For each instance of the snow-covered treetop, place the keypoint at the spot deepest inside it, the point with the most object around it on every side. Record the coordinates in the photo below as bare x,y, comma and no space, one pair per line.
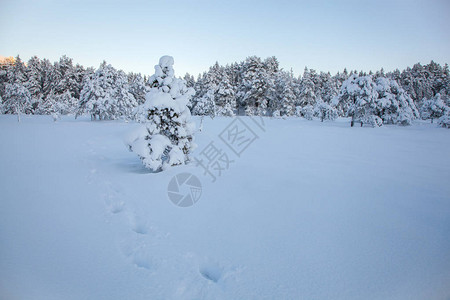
166,91
360,87
163,69
166,61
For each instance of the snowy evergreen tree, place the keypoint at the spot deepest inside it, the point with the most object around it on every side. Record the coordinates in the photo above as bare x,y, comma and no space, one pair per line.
357,99
58,104
47,78
394,105
64,77
190,80
205,106
284,105
226,99
166,139
444,120
307,93
324,111
327,88
254,86
3,80
55,82
17,72
425,81
306,112
105,95
373,103
433,108
35,81
207,92
137,87
446,80
16,100
272,67
224,94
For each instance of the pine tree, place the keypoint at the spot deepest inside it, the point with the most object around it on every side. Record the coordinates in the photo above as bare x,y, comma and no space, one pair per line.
357,99
226,100
394,105
207,87
306,112
327,88
272,67
254,86
105,95
35,81
205,106
285,103
137,87
324,111
17,72
307,93
57,105
16,100
444,120
190,80
433,108
47,78
224,95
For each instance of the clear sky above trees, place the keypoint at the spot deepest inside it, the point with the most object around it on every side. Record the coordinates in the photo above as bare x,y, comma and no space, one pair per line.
324,35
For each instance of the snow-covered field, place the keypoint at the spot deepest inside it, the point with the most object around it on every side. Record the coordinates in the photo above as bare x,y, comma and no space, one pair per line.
309,210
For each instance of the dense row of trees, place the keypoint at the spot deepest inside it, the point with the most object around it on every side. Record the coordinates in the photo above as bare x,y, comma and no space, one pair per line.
260,87
251,87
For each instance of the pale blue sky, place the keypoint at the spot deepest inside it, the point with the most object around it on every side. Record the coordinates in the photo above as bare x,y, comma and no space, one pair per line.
324,35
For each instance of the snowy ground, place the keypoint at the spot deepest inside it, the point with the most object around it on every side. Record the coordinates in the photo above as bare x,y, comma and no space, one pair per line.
309,210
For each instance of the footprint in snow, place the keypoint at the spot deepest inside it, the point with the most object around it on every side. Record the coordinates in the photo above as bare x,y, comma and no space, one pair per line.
138,224
211,270
138,253
142,259
113,203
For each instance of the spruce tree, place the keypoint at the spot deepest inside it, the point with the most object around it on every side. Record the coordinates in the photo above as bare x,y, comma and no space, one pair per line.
166,138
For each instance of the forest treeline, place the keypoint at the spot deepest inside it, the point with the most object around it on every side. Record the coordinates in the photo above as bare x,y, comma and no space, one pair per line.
254,86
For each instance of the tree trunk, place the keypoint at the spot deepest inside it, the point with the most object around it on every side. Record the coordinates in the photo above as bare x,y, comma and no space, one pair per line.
18,113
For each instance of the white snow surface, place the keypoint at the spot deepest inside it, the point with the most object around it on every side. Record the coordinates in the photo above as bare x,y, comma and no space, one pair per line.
310,210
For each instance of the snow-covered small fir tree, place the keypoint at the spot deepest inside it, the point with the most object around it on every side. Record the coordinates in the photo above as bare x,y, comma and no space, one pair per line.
166,138
324,111
307,112
432,108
